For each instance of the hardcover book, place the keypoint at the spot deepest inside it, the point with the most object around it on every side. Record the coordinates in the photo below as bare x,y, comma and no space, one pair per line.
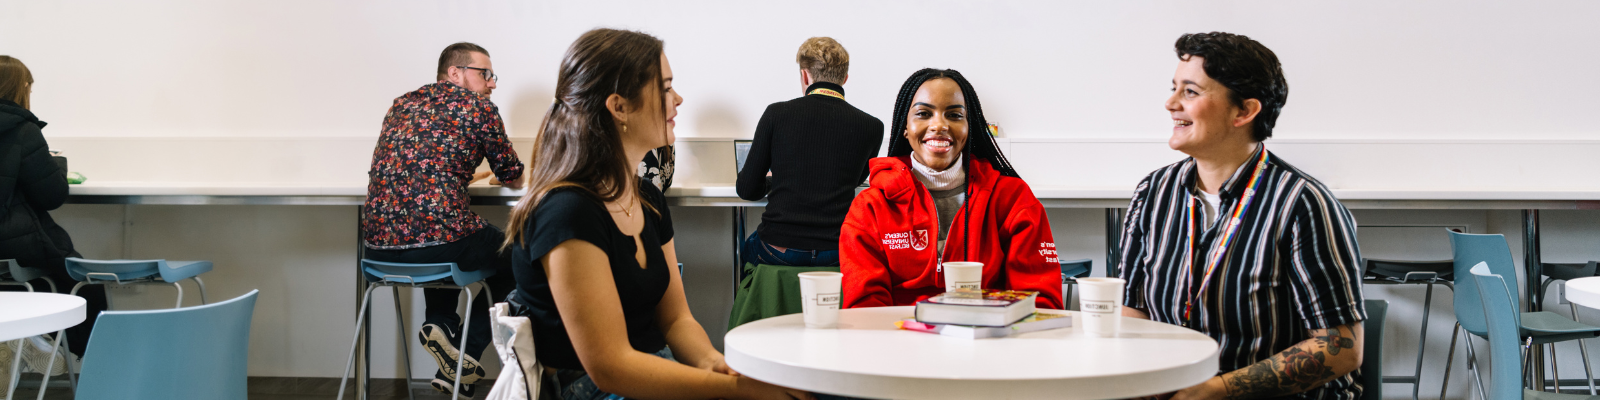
996,308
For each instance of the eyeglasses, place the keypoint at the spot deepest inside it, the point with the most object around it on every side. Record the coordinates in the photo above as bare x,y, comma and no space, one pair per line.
485,72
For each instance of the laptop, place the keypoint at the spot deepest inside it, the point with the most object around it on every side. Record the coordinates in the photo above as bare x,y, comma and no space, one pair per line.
741,151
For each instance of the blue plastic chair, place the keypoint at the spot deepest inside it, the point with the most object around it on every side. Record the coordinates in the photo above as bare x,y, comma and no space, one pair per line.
14,274
198,352
1543,328
1507,344
429,276
1372,350
1070,272
137,272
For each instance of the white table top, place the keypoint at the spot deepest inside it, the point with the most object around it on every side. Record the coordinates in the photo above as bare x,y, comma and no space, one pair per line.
868,357
1584,291
26,314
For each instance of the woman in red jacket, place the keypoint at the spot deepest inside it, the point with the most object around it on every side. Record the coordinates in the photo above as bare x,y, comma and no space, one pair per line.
943,195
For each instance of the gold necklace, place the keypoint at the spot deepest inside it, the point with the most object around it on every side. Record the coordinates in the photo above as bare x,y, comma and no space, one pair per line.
626,210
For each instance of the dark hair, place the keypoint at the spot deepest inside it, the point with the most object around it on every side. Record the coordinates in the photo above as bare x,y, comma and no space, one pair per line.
15,79
1248,69
456,55
579,144
980,142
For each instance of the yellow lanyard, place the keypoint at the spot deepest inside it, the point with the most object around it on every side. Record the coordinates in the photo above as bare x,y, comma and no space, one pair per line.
827,92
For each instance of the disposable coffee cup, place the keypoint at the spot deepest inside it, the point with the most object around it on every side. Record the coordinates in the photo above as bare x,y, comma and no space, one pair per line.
1101,302
959,275
819,298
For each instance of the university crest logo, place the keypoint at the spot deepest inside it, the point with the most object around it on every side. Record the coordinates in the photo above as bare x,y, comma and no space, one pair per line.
919,239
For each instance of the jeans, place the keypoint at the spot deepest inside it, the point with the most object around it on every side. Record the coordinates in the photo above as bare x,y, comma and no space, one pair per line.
479,250
757,251
576,385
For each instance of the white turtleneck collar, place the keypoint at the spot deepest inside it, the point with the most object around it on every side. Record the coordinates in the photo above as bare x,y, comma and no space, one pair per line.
947,179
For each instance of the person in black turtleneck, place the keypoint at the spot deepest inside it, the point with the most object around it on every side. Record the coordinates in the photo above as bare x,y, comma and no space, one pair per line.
816,148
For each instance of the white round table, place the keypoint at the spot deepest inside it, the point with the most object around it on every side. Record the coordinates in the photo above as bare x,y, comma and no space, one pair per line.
1584,292
24,314
868,357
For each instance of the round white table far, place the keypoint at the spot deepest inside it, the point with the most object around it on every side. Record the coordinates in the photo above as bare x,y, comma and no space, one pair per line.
868,357
1584,292
24,314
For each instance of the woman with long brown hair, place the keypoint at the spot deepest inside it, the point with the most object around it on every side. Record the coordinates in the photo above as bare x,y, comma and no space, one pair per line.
32,184
591,242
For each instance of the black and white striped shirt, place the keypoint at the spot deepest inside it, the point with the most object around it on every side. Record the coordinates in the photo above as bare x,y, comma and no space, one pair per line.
1293,266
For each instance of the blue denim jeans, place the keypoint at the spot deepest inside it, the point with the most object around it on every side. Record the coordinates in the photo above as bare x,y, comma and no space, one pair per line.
757,251
576,385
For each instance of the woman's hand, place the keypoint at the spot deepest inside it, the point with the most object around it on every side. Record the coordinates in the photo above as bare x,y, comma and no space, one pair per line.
716,363
754,389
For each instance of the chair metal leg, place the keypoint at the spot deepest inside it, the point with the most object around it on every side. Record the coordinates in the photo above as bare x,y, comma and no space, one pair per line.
461,350
405,345
16,369
1449,359
72,379
361,315
202,285
1583,351
1472,364
1422,341
1555,370
1066,300
175,285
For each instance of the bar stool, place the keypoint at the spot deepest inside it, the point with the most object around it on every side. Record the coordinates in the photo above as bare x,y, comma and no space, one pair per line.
1070,272
1399,272
428,276
14,274
138,272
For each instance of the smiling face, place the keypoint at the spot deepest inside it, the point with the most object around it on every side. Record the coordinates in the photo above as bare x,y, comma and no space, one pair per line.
936,125
1204,117
651,117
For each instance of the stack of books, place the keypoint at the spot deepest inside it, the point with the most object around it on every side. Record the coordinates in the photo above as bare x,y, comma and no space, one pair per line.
982,314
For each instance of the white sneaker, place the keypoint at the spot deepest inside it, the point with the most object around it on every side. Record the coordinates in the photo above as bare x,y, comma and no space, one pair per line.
36,353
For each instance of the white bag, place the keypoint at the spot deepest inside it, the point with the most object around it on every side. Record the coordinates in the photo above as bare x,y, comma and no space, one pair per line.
513,341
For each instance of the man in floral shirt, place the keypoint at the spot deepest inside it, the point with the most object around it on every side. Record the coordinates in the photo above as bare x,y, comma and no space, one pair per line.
417,204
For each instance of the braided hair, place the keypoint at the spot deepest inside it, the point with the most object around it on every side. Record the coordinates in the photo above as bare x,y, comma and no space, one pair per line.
980,142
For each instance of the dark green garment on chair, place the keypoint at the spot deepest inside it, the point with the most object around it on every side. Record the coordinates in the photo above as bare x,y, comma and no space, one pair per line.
768,291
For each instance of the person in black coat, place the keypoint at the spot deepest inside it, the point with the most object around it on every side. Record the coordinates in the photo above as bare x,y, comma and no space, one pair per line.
32,184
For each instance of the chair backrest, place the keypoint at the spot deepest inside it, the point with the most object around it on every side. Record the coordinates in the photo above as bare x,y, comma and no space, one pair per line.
1505,354
1075,268
1470,250
17,272
1372,350
79,268
183,353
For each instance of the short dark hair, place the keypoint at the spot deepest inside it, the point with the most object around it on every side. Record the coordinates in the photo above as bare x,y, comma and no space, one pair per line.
1246,67
456,55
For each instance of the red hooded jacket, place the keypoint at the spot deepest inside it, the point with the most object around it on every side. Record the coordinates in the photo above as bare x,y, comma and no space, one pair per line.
889,241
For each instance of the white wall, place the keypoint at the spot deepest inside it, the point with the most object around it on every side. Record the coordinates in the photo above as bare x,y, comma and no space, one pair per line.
1357,69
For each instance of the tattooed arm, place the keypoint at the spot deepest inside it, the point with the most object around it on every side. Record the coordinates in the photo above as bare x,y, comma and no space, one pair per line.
1329,354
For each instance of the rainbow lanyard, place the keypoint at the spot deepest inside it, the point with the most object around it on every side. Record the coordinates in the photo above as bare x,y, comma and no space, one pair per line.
1230,231
827,92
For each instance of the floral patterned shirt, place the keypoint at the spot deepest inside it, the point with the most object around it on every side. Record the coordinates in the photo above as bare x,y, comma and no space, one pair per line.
433,139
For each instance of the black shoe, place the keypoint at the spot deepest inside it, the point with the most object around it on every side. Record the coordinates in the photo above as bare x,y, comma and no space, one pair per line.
444,385
441,344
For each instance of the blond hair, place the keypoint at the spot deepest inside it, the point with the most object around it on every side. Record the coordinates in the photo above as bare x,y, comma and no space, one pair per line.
14,81
825,58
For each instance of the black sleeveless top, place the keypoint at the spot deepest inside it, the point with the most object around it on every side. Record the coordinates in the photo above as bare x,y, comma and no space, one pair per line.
574,214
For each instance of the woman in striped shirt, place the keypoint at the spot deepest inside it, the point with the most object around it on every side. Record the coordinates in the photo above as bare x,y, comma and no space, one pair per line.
1236,243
